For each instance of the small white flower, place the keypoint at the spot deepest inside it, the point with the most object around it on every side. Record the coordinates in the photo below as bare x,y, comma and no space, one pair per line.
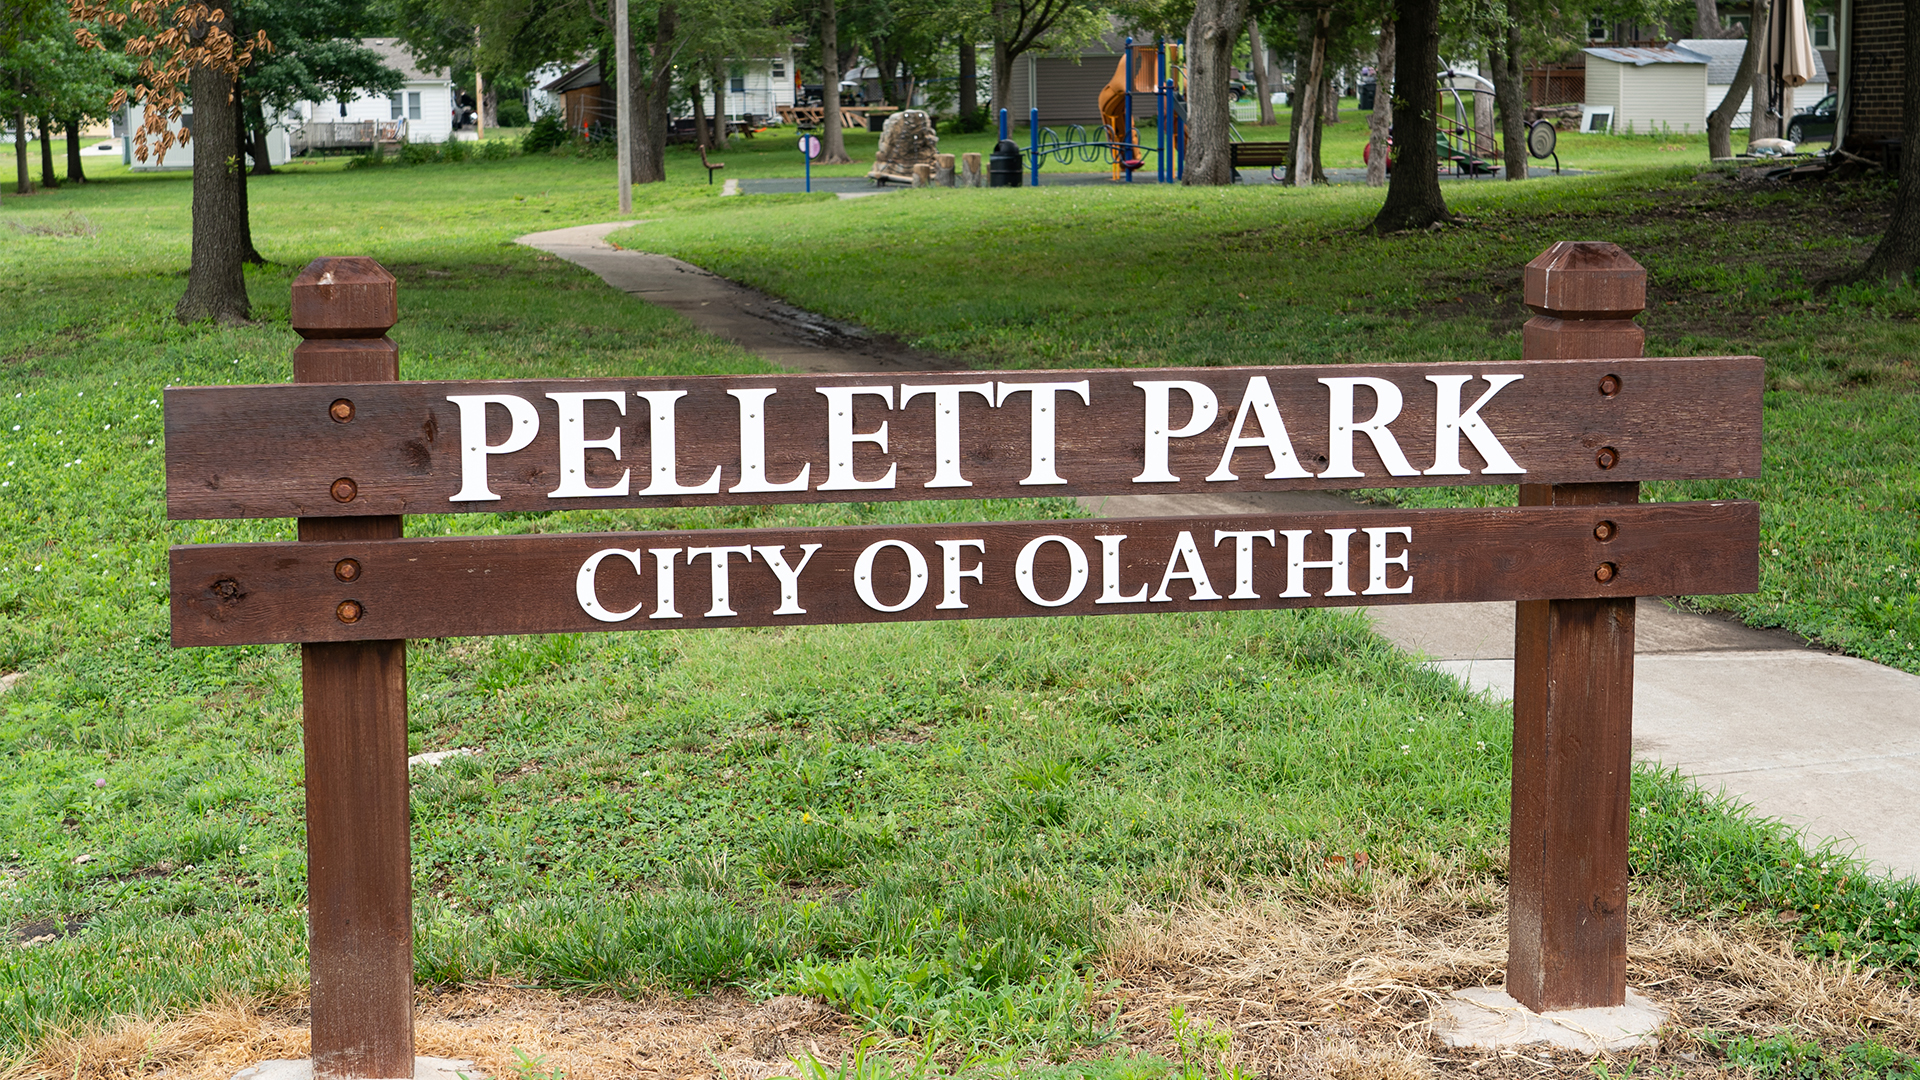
109,427
37,567
16,427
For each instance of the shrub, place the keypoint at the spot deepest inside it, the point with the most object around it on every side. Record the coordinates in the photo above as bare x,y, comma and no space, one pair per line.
546,134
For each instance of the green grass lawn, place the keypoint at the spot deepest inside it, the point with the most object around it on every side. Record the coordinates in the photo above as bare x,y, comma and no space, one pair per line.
931,826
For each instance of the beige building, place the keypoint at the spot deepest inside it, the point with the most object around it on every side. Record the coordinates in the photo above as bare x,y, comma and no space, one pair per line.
1641,90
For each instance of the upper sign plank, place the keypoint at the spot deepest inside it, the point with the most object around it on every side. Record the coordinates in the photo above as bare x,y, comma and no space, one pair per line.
531,445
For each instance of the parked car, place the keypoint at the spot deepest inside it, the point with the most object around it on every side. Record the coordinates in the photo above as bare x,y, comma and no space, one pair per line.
1815,122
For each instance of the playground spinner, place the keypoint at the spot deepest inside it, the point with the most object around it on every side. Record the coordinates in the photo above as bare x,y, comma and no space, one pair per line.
348,450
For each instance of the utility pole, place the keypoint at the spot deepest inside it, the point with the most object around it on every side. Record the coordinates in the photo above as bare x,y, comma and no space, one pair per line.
623,104
479,104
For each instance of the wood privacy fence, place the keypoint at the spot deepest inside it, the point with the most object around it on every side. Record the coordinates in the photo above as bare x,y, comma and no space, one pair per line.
348,449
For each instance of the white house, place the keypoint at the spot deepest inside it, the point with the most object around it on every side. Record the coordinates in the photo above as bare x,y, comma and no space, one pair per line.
757,86
1723,59
1644,90
181,157
421,110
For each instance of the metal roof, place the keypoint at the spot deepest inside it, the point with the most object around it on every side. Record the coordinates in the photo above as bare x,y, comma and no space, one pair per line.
1723,58
1643,57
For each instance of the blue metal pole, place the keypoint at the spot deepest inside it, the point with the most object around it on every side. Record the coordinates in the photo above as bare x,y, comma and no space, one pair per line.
1161,170
1126,86
809,160
1033,144
1003,125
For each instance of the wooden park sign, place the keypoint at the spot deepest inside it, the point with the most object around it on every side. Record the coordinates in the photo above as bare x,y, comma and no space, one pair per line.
347,449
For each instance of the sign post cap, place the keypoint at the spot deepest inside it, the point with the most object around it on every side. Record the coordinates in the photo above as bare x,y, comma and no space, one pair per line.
346,297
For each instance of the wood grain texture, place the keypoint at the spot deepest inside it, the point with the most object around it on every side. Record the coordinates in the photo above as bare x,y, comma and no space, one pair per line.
354,716
231,594
276,451
1573,687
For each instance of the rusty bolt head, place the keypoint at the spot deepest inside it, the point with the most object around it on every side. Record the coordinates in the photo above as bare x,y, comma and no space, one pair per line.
342,410
347,569
1605,572
345,489
349,611
1607,458
1609,385
1601,532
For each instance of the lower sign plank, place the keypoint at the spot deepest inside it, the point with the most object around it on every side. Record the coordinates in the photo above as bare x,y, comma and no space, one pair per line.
238,594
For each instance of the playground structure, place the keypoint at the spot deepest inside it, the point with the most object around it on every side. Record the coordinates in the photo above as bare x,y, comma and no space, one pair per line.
1151,71
1467,145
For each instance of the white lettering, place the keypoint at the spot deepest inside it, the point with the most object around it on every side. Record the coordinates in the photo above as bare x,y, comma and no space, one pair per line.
474,448
590,599
1450,423
666,469
1076,579
1159,428
1297,566
753,446
1341,428
663,583
841,437
1045,412
946,427
1273,434
776,558
1110,573
916,576
722,605
1187,555
574,444
1377,561
1243,560
951,574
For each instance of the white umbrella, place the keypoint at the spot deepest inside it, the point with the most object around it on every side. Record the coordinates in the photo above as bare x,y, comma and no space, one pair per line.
1788,60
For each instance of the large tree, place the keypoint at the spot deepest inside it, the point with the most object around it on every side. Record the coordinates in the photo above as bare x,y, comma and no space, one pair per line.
1211,35
1413,193
1022,26
1897,255
1720,120
188,51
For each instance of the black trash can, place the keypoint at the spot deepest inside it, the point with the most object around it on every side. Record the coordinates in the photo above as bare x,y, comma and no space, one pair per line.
1366,96
1004,165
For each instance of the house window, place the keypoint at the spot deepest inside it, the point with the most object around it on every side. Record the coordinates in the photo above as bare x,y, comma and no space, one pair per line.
737,79
343,108
413,105
393,103
779,69
1742,23
1597,28
1822,27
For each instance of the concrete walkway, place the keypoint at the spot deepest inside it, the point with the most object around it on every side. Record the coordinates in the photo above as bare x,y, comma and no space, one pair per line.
1826,743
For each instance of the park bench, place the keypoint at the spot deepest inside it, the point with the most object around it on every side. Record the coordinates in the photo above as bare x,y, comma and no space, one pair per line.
1256,155
711,166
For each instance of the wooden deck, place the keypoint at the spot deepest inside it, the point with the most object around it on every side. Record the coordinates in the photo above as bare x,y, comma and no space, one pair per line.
815,115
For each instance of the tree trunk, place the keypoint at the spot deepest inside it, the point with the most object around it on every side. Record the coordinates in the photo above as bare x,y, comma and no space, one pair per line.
256,129
1210,37
216,283
719,103
1262,79
48,179
833,144
1002,79
1898,253
489,104
75,174
702,133
969,83
1720,120
650,94
1510,93
1763,124
24,172
248,251
1706,19
1413,195
1307,108
1329,97
1380,121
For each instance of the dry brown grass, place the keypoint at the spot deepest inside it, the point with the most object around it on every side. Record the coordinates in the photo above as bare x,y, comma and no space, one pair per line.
1342,989
1313,988
715,1035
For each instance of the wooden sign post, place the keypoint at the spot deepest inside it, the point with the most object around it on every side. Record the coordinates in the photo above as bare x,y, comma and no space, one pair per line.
347,449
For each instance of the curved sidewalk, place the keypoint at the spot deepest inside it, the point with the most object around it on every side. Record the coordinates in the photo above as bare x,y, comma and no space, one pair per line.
1826,743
